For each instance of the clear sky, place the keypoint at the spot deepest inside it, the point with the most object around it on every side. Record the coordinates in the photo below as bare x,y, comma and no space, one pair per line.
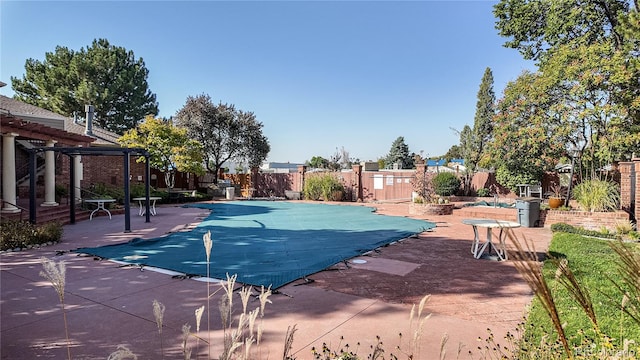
319,75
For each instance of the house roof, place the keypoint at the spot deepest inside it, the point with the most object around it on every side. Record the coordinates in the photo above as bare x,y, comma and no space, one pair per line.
31,113
33,130
103,137
26,111
440,162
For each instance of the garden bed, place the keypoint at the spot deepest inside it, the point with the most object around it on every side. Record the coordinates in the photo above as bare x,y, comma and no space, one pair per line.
431,209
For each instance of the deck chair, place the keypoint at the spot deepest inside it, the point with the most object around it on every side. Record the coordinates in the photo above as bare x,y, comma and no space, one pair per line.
535,190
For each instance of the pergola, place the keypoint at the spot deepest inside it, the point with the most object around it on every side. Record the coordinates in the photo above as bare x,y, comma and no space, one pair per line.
95,151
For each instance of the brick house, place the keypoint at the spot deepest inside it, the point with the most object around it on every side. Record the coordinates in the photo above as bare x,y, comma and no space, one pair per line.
24,126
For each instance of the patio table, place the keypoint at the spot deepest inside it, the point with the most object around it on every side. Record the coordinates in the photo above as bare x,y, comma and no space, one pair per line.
100,206
477,249
141,202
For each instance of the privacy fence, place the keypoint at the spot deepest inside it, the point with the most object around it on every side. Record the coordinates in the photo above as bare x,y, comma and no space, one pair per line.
359,185
396,185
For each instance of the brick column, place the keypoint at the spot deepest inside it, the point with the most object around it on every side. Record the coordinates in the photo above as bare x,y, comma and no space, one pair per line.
302,169
626,172
357,171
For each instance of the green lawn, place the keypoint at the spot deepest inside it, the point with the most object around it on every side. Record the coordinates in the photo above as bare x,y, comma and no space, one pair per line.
594,264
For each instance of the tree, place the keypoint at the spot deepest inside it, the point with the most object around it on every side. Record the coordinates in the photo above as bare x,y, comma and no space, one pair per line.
318,162
399,154
473,143
339,160
171,149
105,76
224,132
529,137
589,67
536,26
590,104
454,152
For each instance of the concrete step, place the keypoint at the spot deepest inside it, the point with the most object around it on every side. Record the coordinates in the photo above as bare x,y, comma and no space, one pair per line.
44,214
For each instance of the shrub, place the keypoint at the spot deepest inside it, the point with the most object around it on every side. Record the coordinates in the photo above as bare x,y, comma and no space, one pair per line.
102,191
446,184
48,232
597,195
562,227
510,178
61,191
322,187
137,190
21,234
483,192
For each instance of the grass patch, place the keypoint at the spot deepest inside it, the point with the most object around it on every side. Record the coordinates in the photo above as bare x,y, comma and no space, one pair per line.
596,268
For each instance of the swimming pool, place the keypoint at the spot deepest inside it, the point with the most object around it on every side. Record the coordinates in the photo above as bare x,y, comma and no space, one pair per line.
268,242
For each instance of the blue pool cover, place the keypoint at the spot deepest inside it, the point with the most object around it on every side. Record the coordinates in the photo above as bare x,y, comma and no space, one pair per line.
267,242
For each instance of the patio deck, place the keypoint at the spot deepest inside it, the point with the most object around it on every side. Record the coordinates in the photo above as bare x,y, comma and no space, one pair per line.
108,305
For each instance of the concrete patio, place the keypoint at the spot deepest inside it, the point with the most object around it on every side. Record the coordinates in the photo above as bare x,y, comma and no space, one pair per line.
108,304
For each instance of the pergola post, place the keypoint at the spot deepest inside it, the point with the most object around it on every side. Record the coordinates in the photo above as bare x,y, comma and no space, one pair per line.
147,173
32,186
72,173
127,195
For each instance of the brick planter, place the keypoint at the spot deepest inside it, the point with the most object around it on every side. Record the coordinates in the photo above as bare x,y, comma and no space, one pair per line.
430,209
585,219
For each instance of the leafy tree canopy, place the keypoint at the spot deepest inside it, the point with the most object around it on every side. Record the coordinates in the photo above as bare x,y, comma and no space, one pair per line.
318,162
399,154
528,138
170,147
594,100
533,27
585,94
225,132
103,75
454,152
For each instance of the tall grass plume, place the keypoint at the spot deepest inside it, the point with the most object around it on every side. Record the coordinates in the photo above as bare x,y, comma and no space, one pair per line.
56,274
158,314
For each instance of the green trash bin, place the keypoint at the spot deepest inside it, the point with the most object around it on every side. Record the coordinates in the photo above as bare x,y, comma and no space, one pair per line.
528,211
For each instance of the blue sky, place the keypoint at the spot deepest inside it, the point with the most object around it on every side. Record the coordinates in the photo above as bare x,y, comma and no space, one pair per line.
319,75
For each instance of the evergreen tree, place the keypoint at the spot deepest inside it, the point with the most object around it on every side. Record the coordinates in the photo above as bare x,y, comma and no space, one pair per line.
399,154
473,142
108,77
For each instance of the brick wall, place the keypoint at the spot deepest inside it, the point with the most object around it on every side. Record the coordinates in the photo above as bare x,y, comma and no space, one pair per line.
585,219
98,169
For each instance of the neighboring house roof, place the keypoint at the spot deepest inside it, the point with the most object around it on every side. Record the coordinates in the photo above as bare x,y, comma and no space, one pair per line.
32,113
440,162
279,165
